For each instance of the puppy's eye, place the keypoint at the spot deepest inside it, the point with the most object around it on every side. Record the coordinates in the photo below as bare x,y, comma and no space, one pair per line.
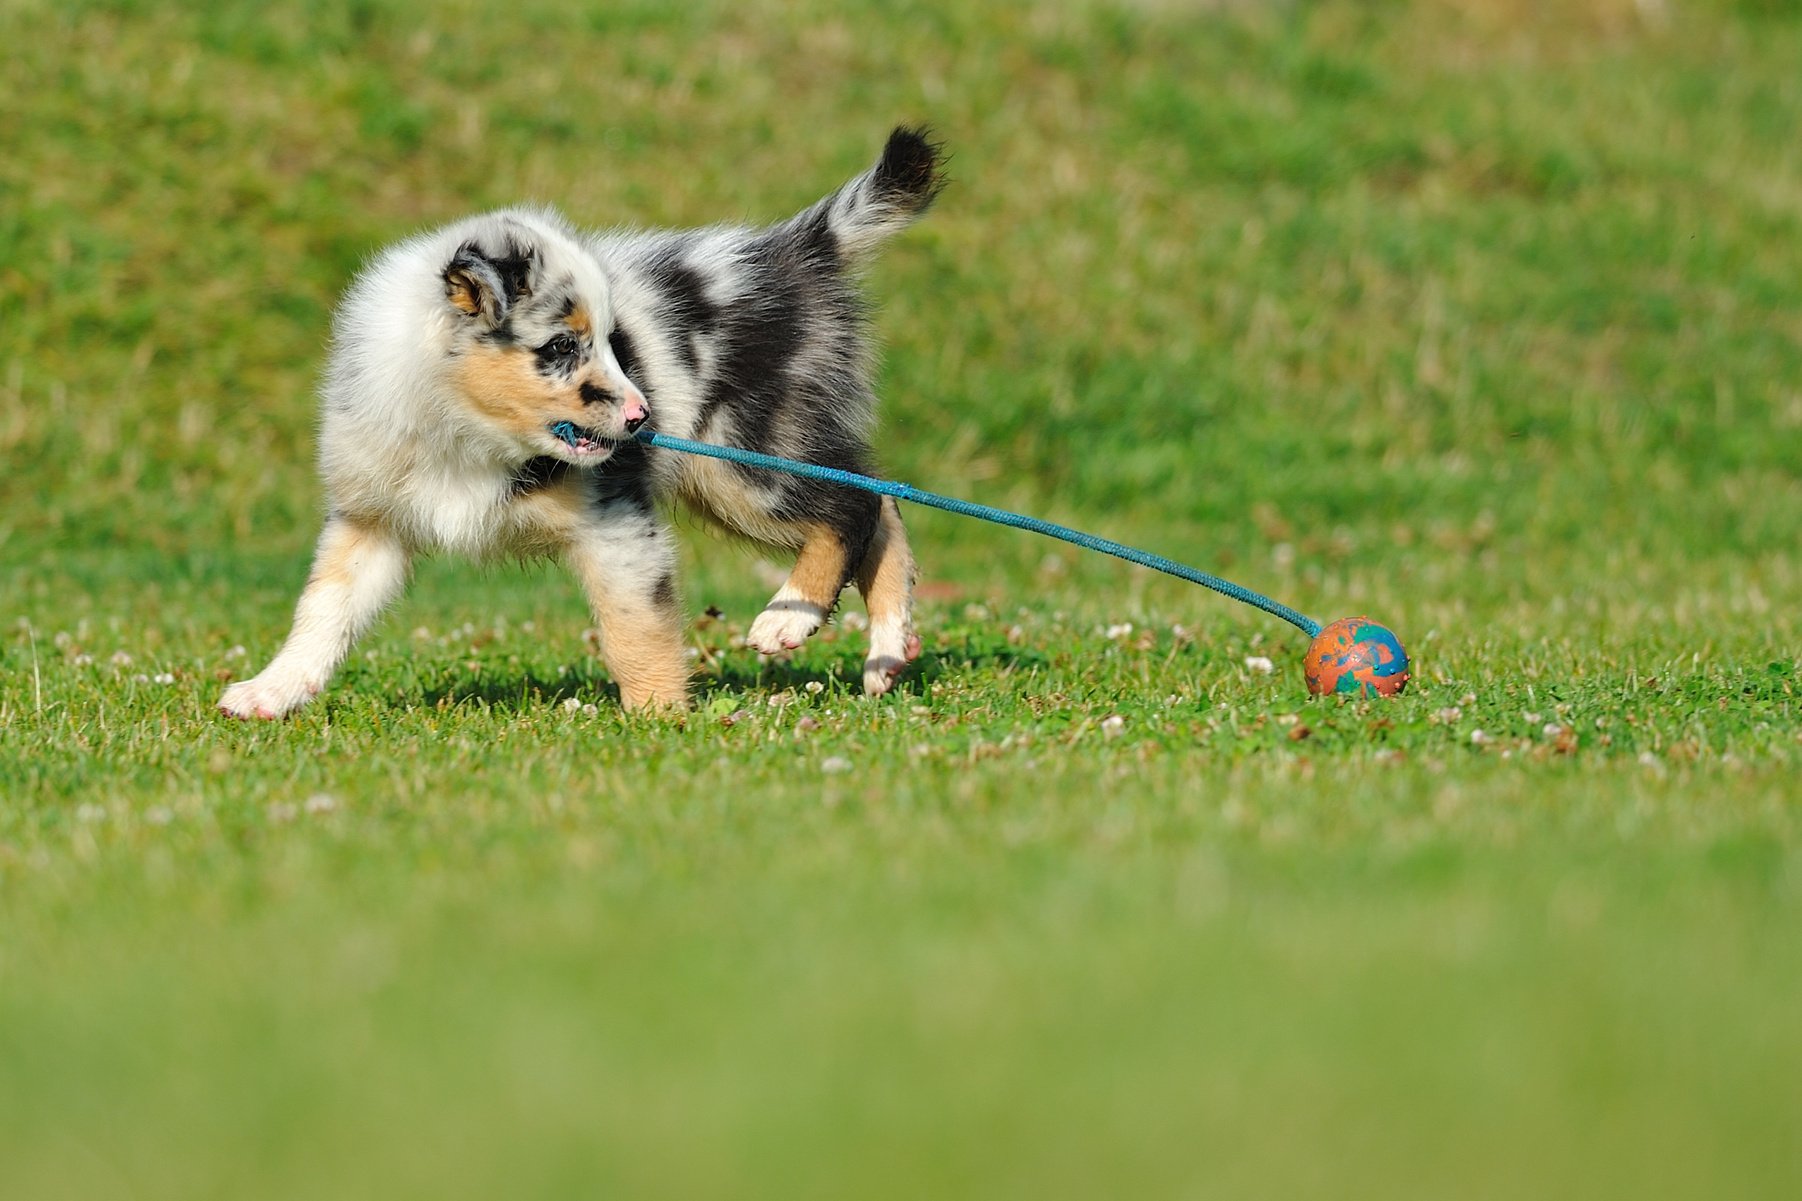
561,347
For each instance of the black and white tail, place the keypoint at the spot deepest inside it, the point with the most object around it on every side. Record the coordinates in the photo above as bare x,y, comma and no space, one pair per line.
884,200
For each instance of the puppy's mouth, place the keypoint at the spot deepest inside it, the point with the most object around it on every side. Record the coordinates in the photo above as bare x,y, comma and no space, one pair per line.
583,443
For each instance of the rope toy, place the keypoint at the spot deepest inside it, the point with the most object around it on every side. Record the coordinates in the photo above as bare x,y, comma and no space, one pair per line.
1351,655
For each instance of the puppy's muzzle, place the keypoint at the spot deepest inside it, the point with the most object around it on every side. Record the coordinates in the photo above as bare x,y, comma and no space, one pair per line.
633,411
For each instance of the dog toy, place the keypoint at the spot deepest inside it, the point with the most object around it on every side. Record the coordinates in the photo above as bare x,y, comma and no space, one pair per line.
1352,655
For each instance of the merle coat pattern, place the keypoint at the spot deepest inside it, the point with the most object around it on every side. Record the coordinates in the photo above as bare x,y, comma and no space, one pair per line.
486,378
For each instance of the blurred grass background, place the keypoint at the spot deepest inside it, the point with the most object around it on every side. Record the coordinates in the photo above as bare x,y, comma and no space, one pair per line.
1482,316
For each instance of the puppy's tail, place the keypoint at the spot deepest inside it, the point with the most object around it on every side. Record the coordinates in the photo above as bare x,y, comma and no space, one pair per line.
865,213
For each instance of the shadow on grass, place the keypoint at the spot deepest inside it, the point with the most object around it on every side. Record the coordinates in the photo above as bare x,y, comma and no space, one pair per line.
731,674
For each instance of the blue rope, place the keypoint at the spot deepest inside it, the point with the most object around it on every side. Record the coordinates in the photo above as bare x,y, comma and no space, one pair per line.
851,479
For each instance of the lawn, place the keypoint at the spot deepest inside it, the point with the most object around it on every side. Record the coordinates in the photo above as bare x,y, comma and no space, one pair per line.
1482,317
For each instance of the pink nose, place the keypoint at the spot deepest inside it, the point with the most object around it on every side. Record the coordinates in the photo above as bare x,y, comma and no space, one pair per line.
633,411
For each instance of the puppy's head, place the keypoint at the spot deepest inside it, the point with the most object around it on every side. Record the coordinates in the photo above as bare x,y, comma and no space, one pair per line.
530,314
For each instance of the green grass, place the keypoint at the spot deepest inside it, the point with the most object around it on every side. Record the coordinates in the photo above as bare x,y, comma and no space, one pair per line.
1478,317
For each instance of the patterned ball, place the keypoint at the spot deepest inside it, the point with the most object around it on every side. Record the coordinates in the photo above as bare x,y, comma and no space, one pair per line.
1356,655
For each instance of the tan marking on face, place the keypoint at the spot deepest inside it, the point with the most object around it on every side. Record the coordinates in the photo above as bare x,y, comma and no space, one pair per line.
579,321
502,384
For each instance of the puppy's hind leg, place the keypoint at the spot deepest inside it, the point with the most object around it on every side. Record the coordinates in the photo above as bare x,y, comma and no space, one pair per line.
885,577
804,602
357,570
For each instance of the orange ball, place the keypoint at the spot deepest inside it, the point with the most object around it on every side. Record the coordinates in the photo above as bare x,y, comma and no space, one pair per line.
1356,655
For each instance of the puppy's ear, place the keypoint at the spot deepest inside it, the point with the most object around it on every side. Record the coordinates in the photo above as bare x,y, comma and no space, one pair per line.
486,286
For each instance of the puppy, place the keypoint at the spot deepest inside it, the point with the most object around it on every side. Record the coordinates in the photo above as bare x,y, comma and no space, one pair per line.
484,384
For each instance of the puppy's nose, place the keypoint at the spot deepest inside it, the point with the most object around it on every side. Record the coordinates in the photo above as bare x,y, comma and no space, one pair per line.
635,413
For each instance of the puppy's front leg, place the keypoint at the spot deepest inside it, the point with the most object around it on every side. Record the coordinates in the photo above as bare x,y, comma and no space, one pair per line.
625,558
357,570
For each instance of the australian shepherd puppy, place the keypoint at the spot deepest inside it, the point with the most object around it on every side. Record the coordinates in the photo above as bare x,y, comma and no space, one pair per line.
485,382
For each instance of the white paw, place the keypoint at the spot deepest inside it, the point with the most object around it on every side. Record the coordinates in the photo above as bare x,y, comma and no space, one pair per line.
890,653
785,624
268,696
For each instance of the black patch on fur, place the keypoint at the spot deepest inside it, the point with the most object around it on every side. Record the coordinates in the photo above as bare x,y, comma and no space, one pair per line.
592,395
813,236
911,170
537,473
624,479
560,356
515,270
664,594
685,313
625,353
500,279
756,340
